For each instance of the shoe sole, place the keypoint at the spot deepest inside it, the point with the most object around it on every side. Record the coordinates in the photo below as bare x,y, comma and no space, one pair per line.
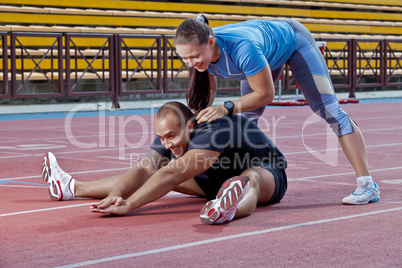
362,203
227,196
376,199
54,186
213,215
46,171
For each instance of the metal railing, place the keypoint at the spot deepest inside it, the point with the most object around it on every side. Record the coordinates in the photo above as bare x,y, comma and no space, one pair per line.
49,65
4,67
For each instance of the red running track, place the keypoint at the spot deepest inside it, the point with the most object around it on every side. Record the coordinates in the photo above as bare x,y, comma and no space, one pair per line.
308,228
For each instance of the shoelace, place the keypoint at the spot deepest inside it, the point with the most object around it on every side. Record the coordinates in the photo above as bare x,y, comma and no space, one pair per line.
359,190
63,176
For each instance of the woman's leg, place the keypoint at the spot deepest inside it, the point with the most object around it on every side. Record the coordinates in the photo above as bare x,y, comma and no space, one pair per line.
311,73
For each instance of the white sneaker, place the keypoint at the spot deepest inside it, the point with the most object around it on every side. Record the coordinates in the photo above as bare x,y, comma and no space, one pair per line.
61,184
224,207
363,194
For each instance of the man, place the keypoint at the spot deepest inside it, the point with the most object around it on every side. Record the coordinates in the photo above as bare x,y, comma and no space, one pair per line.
229,161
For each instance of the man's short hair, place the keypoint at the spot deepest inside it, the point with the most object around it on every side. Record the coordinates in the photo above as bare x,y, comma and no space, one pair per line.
181,111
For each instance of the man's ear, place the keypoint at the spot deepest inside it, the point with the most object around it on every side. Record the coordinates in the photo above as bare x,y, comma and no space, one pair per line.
190,124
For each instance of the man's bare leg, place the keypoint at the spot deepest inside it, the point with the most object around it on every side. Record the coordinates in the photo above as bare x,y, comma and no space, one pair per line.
260,190
96,189
190,187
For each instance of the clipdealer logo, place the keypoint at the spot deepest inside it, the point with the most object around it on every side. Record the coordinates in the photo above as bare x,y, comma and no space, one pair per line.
329,155
110,130
114,132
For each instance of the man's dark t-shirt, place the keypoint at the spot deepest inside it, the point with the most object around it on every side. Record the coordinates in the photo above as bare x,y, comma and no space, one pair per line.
241,143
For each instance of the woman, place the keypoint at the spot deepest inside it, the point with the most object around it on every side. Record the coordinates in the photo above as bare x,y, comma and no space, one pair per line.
254,52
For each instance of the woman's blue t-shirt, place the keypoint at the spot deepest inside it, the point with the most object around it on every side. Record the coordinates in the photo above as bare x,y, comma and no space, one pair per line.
246,47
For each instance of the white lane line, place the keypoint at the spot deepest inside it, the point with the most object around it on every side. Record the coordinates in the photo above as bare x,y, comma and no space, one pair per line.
116,148
96,150
41,210
224,238
23,186
171,194
118,169
308,179
340,149
325,133
71,173
341,174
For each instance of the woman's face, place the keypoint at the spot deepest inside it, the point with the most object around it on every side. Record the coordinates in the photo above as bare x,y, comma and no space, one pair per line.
197,56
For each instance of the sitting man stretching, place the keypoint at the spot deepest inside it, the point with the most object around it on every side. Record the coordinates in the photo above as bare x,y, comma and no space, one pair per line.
230,161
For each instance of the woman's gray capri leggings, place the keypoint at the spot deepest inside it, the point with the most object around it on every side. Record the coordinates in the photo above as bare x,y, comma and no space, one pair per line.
311,73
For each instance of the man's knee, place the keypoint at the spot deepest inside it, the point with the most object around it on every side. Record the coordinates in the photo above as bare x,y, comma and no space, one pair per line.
262,181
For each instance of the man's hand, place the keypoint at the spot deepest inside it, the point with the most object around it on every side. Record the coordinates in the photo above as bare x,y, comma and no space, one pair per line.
113,205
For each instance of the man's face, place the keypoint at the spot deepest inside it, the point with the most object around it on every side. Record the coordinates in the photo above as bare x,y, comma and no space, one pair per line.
173,137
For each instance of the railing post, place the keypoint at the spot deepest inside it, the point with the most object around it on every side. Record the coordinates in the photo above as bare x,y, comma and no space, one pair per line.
114,59
13,66
5,64
67,70
158,63
384,61
60,59
352,68
165,65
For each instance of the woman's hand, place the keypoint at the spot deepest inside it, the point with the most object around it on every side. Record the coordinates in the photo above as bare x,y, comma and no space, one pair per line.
211,113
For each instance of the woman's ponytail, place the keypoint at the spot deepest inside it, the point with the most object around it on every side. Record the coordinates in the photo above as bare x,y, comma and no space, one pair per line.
198,92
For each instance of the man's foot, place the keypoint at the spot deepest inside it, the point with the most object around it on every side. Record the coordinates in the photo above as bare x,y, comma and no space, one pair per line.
61,184
224,207
363,194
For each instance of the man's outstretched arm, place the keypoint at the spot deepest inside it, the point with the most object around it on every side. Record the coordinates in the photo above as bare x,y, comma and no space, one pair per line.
164,180
133,179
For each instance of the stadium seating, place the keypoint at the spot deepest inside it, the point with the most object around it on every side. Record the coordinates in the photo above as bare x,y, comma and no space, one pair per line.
85,16
357,19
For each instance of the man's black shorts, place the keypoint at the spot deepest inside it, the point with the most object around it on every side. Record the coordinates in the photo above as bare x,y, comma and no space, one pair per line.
211,189
281,183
